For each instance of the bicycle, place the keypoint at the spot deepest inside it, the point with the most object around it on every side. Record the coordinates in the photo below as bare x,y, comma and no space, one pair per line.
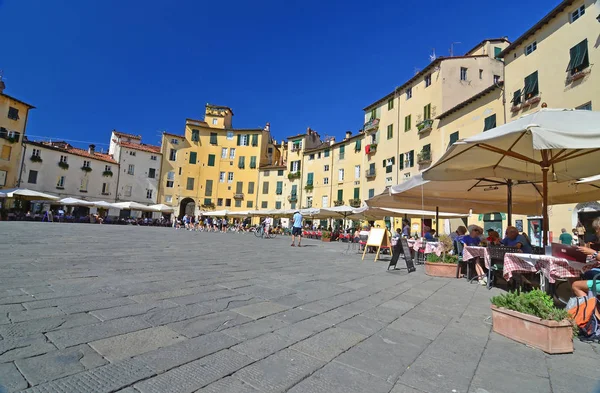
259,231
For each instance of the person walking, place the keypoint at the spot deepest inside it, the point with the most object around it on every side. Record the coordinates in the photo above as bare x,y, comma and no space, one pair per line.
297,228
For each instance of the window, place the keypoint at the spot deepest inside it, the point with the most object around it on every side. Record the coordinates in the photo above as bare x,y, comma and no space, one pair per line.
265,189
325,168
249,204
295,166
371,193
153,158
427,80
13,113
243,139
266,173
530,48
480,74
294,190
190,184
221,177
277,205
453,138
173,155
131,169
148,194
32,179
132,153
325,180
401,161
232,153
325,201
213,138
211,160
3,178
174,141
427,112
373,113
253,162
215,122
168,198
326,153
579,58
207,201
407,123
390,104
496,79
151,173
311,157
6,151
170,179
463,73
219,201
340,195
585,107
63,159
489,122
208,188
179,171
310,179
409,93
223,152
35,153
195,135
227,202
578,13
251,187
229,135
516,100
279,188
356,172
390,131
343,151
356,192
264,205
341,175
254,139
238,203
229,177
309,200
241,162
86,164
60,183
387,164
280,172
193,157
297,145
531,86
497,51
410,159
106,191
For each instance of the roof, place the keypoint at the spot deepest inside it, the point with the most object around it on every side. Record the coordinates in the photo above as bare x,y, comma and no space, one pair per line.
141,147
220,107
196,121
119,133
243,129
73,150
272,166
502,39
471,99
552,14
168,133
296,136
417,76
19,101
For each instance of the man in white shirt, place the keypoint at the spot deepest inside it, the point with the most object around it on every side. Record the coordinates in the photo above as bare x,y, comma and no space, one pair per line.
268,222
297,228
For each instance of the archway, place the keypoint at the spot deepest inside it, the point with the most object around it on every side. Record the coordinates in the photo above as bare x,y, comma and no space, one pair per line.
187,206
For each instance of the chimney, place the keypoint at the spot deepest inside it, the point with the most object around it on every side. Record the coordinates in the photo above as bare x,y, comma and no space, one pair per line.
2,86
92,149
308,131
348,134
331,141
268,127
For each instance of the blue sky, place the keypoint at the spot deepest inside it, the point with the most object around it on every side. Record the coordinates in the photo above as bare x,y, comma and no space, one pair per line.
143,66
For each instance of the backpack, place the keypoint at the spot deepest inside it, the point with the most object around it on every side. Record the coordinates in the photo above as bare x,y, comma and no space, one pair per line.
587,316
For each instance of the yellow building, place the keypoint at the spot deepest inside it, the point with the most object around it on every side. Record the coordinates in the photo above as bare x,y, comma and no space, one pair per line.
213,165
13,122
551,65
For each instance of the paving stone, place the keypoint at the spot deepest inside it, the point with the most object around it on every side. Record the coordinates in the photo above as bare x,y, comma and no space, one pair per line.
290,301
95,305
402,388
135,343
255,328
280,371
437,375
18,348
176,314
195,375
230,303
418,328
383,314
166,358
204,296
340,378
79,335
362,325
11,379
508,381
262,346
293,315
260,310
209,323
20,316
32,327
228,385
303,329
103,379
58,364
329,343
154,296
131,310
63,301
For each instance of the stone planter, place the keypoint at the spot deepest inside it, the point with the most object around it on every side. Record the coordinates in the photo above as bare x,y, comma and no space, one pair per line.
436,269
549,336
326,240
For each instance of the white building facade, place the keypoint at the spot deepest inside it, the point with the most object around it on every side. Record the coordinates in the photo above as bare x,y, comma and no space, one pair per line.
140,168
61,169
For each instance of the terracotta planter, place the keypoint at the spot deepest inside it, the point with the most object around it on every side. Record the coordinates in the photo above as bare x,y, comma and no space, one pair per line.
440,269
326,240
549,336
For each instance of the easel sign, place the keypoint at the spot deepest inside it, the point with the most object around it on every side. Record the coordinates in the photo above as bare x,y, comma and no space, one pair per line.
378,237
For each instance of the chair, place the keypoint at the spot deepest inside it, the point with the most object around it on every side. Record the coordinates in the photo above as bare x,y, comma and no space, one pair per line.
497,261
362,241
421,256
537,250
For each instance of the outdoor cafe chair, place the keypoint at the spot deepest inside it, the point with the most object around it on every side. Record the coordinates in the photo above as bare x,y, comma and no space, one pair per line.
421,256
497,262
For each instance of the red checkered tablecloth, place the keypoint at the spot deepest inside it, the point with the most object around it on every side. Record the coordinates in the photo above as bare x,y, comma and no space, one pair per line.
470,252
551,267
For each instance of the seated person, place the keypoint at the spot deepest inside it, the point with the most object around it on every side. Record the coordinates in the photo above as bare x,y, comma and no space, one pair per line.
430,235
582,287
514,239
493,237
474,239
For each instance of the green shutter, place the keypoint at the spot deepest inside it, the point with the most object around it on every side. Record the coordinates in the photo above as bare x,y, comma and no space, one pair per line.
265,187
516,100
239,139
279,189
340,195
453,137
277,205
497,51
294,189
253,162
208,188
251,187
241,162
531,86
411,158
193,157
309,179
254,139
342,149
401,161
579,57
211,160
213,138
239,187
356,193
326,154
390,131
490,122
427,112
357,145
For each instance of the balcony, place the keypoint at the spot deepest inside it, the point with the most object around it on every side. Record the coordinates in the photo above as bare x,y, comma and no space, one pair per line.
356,202
370,173
338,203
35,158
293,198
578,75
425,126
309,187
371,149
296,149
371,125
238,195
424,157
294,175
10,136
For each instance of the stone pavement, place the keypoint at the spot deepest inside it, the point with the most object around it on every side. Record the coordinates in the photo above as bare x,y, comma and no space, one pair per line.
99,308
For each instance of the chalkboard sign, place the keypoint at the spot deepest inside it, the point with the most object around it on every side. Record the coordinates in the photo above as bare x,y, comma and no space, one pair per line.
403,244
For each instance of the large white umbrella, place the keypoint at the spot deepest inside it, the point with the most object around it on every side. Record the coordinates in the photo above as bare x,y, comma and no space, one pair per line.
240,213
162,208
75,202
24,193
105,205
564,142
216,213
133,206
2,195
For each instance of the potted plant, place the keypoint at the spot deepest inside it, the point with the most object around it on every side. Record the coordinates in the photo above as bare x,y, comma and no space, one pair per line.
63,165
294,175
35,158
326,236
443,265
86,169
309,187
107,174
532,319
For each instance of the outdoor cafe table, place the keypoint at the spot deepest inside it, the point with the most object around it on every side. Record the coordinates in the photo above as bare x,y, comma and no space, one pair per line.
430,247
471,252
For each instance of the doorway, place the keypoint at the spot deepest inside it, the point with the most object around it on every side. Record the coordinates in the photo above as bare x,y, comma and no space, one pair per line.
187,206
534,230
493,221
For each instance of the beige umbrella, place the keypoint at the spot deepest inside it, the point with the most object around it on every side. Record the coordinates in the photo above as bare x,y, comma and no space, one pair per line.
26,194
162,208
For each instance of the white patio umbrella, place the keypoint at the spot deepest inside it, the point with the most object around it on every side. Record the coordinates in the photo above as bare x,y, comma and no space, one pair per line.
216,213
564,142
24,193
162,208
132,206
105,205
2,195
75,202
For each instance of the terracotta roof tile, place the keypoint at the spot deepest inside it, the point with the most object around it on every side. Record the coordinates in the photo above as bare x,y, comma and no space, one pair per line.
141,146
118,133
73,150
